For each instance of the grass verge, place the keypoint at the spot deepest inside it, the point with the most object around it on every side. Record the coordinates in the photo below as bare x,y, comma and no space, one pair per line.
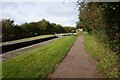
38,63
108,60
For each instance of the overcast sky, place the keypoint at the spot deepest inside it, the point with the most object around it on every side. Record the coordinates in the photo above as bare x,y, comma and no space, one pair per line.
58,12
55,11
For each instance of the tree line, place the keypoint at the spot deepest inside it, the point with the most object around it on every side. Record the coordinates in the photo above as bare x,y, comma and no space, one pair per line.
10,31
103,21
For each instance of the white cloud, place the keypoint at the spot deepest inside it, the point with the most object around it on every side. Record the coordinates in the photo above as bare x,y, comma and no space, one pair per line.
63,10
36,0
55,12
59,0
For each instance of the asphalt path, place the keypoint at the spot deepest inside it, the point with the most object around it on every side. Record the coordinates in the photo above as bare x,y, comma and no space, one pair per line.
77,64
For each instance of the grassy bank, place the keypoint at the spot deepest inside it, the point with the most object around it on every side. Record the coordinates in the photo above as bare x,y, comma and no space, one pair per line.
30,38
38,63
108,60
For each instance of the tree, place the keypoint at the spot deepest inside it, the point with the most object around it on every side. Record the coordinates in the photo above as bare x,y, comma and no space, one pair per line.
12,31
102,20
7,29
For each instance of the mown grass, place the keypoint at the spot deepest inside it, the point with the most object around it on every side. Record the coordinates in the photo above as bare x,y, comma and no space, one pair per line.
38,63
0,69
108,60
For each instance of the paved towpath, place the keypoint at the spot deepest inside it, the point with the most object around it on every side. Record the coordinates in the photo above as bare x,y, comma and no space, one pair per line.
77,64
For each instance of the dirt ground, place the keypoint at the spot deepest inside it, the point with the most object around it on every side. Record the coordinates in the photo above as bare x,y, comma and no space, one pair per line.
77,64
